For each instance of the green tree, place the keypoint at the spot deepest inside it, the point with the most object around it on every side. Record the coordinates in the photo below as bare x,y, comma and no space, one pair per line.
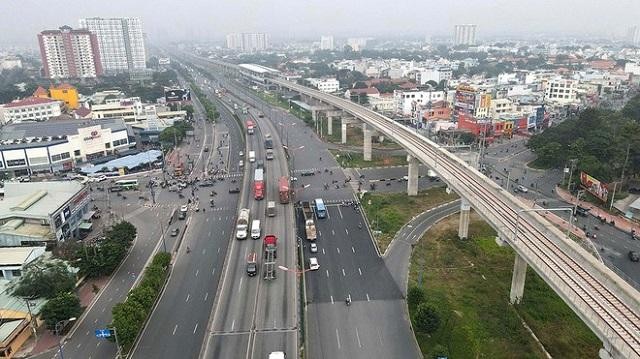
415,296
427,319
128,318
44,279
59,308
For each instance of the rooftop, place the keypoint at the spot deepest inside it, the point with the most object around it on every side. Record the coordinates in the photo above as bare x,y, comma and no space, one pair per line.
17,256
29,101
258,68
35,199
56,128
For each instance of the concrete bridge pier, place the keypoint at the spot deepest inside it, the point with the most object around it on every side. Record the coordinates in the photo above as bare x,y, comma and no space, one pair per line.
330,116
517,280
463,228
368,133
413,175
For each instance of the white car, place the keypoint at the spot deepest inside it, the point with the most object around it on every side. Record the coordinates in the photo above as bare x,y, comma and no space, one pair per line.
314,248
241,154
523,189
184,208
99,178
313,263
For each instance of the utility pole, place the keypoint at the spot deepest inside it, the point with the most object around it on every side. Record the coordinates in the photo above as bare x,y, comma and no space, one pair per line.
615,185
573,162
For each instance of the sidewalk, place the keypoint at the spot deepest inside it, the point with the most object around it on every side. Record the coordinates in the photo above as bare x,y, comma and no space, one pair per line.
45,338
622,223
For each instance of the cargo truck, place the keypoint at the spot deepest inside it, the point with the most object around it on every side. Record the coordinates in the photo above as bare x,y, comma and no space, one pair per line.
250,127
258,184
242,225
269,244
283,189
309,224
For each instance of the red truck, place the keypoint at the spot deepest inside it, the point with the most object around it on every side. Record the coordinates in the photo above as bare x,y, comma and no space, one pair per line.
283,189
250,127
269,244
258,183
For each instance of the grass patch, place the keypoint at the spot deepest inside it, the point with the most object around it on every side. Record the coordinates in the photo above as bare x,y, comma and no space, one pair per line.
469,282
388,212
348,159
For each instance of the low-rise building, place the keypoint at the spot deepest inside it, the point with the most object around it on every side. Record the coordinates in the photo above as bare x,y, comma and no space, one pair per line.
14,259
31,109
38,213
56,146
67,94
125,108
410,101
561,90
15,327
328,85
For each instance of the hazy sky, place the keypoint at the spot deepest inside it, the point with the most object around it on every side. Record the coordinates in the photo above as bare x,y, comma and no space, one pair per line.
21,20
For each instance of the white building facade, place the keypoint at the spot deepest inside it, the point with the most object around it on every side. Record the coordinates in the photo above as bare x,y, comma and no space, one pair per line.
561,90
30,109
325,85
121,43
464,35
248,41
326,42
408,102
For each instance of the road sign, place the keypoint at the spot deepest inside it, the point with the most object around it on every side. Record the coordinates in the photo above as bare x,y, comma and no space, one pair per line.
103,333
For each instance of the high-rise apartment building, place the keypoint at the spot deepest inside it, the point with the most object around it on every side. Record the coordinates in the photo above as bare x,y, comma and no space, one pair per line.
248,42
464,35
68,53
121,42
633,35
326,43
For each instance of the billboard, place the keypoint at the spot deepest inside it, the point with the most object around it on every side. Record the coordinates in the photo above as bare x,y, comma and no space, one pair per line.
595,187
177,95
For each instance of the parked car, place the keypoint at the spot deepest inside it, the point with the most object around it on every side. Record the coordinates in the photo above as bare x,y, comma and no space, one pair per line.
522,189
174,232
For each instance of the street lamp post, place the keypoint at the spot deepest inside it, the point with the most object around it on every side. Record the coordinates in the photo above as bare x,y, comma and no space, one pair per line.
58,327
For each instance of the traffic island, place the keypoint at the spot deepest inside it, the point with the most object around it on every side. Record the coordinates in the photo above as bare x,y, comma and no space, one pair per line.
388,212
459,301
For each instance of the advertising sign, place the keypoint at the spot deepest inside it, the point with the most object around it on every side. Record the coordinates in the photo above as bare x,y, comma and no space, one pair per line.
177,95
594,186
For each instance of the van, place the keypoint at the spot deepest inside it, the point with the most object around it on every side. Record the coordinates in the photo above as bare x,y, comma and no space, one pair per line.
252,156
241,164
255,229
271,209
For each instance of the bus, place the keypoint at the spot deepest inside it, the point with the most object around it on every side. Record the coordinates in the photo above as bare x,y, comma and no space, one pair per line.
321,210
126,184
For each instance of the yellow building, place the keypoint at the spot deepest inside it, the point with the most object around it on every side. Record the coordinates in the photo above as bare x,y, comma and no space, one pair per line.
66,93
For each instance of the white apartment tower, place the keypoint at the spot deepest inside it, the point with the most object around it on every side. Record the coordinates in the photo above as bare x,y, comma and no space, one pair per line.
326,42
68,53
121,42
633,35
464,35
248,42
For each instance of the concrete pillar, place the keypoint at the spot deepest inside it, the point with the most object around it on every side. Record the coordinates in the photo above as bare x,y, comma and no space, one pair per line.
367,142
329,125
463,228
517,281
314,118
412,183
343,125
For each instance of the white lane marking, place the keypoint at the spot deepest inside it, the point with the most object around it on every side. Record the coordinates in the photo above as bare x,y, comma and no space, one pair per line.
343,274
274,324
87,333
209,234
223,232
195,328
213,272
204,251
340,213
97,345
174,330
95,321
218,249
197,271
207,219
78,346
338,338
353,249
327,273
338,249
358,337
368,299
346,230
323,251
319,233
233,324
380,336
331,299
206,295
240,286
188,296
157,215
359,270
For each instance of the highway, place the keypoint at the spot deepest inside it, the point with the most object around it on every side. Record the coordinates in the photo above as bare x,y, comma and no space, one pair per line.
253,316
178,323
608,305
376,324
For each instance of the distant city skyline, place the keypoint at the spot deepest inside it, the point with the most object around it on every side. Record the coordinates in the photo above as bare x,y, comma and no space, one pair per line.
200,20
